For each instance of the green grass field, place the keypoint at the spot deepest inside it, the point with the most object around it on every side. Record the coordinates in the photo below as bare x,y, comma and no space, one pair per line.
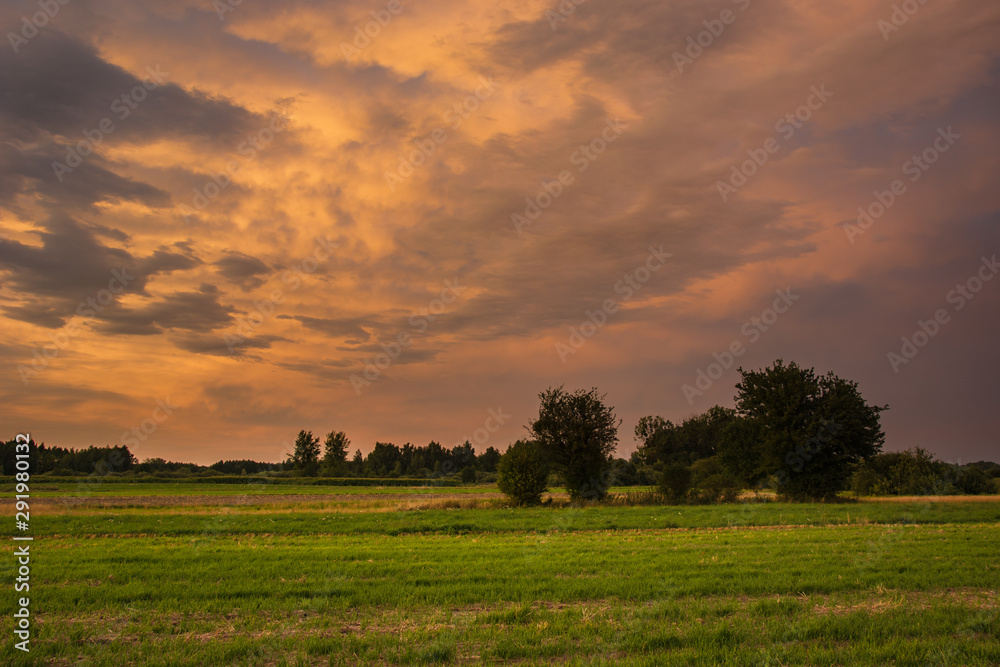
416,576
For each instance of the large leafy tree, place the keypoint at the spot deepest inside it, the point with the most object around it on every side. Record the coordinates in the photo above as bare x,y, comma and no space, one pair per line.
577,433
306,454
812,429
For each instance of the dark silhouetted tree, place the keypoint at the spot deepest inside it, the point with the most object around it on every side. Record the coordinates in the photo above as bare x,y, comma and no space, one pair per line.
577,433
813,429
306,454
696,438
740,452
383,459
335,449
487,461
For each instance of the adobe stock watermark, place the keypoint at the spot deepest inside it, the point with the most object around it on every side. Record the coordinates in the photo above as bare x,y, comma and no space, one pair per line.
142,431
495,418
372,29
30,26
247,150
426,146
899,17
419,323
785,127
22,520
88,310
581,158
223,7
696,44
957,298
563,11
752,330
632,282
122,107
292,277
802,454
915,167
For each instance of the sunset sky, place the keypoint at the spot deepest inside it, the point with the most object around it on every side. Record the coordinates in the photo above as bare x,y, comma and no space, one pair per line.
214,218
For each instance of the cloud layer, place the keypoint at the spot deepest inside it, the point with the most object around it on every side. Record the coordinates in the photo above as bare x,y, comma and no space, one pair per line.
280,222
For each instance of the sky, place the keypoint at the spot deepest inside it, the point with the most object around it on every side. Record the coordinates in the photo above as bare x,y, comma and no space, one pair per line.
223,222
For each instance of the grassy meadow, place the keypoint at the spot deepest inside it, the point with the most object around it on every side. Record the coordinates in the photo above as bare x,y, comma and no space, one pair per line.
169,574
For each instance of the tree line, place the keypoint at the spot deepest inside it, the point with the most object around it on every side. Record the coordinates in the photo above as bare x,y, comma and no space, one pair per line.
44,459
387,460
802,435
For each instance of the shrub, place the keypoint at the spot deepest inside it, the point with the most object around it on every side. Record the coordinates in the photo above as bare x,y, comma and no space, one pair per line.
908,473
719,488
712,483
974,482
915,472
522,473
675,482
864,481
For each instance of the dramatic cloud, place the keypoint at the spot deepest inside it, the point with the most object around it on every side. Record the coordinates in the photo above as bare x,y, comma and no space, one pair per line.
54,281
242,269
296,227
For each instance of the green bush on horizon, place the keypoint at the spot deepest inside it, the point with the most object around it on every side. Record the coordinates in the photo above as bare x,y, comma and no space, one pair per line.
523,472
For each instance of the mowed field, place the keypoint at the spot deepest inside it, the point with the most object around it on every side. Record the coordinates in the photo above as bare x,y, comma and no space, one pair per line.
182,574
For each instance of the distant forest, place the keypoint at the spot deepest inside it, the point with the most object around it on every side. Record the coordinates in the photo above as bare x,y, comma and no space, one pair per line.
888,473
385,461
